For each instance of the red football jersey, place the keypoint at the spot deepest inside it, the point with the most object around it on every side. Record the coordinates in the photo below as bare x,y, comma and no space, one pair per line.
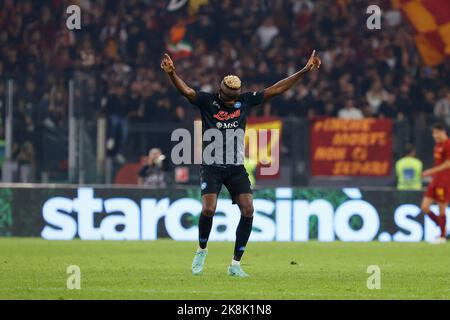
441,154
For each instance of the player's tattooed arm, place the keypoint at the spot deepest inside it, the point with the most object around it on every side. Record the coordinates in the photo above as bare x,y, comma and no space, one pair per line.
432,171
287,83
168,66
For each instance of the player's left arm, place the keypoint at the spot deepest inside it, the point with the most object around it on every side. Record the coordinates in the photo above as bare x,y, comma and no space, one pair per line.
443,166
287,83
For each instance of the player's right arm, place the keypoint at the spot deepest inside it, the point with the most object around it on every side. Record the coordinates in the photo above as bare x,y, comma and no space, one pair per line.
436,169
168,66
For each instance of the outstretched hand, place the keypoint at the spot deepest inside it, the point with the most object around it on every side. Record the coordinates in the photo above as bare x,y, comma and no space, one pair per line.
313,62
167,64
427,173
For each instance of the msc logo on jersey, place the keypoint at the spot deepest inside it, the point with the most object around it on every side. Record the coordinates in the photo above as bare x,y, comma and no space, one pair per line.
231,125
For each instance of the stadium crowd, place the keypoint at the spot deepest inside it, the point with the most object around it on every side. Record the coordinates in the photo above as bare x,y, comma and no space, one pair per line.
365,73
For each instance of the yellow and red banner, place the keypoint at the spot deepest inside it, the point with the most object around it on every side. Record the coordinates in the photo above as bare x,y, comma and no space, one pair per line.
351,147
262,143
431,21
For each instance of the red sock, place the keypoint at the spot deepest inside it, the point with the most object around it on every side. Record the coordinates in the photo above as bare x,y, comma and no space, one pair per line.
442,222
433,217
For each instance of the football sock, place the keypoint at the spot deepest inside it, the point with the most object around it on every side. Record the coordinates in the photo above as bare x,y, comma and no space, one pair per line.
235,263
433,217
204,229
442,222
243,231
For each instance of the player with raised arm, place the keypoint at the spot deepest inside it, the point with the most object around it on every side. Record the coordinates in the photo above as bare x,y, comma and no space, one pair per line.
439,188
227,110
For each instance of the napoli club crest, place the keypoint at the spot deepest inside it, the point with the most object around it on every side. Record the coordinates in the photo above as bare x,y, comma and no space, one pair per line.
237,105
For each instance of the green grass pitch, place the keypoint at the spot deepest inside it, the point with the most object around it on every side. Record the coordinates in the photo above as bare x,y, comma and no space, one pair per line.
37,269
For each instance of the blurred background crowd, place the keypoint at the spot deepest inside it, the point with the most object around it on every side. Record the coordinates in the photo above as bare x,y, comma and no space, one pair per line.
116,55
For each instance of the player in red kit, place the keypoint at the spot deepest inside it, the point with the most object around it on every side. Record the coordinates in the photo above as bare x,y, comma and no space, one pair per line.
439,188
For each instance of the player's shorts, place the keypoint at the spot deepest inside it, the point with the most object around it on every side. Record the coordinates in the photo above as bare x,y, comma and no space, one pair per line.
235,179
438,192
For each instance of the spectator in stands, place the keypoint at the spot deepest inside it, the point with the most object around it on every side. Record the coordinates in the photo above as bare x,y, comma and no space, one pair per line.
429,101
442,107
152,174
350,112
25,159
387,108
266,32
376,95
58,108
404,101
117,108
180,114
136,108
